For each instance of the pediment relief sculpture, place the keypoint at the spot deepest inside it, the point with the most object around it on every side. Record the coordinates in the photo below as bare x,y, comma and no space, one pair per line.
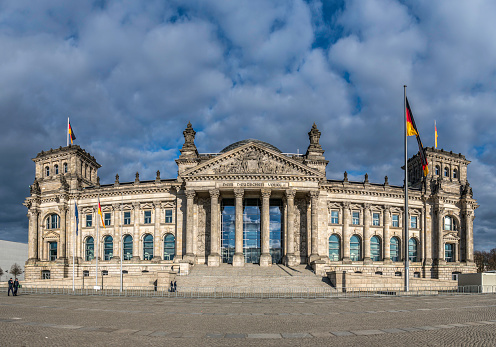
453,237
51,235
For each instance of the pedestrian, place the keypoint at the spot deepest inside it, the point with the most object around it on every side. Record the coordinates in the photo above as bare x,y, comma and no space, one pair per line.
11,287
171,289
175,286
16,286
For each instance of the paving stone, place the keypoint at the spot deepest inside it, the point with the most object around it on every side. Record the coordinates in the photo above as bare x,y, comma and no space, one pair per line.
460,325
411,329
473,323
125,331
321,334
486,322
68,326
143,332
394,330
443,326
235,336
342,333
215,335
158,333
427,327
106,330
89,328
264,336
175,335
367,332
295,335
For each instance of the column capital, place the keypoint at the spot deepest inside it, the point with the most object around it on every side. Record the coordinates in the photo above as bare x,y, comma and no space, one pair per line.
214,193
290,193
62,208
157,203
266,193
346,205
314,194
239,192
366,206
190,193
116,206
136,205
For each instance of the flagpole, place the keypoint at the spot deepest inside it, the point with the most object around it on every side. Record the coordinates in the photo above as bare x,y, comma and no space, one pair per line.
96,251
405,241
435,134
122,241
74,248
67,131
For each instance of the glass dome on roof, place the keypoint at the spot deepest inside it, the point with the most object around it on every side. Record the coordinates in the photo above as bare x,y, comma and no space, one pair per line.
244,142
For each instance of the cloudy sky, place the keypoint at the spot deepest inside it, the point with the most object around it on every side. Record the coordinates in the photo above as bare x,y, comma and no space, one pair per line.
131,74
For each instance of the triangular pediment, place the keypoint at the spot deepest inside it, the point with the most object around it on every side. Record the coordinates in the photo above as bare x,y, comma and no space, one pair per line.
252,159
453,237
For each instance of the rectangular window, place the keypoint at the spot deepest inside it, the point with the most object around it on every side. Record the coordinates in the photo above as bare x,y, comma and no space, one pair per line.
45,274
396,220
127,218
168,215
448,253
107,218
376,219
86,273
356,218
148,217
52,251
413,222
89,220
334,217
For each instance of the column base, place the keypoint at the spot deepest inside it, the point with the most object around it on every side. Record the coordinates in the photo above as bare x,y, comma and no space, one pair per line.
313,257
135,258
238,259
190,258
32,261
290,260
347,261
61,261
213,260
265,259
440,262
367,261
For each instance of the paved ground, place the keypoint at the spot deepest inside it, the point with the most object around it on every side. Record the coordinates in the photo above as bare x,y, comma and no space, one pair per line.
59,320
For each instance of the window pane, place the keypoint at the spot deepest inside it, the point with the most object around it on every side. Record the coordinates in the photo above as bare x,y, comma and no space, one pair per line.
168,215
127,218
394,249
148,217
334,248
356,218
412,250
128,247
413,222
334,217
107,219
89,220
375,248
169,247
355,248
396,220
376,219
148,247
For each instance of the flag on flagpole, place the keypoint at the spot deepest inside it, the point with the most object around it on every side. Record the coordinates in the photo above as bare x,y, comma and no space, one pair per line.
100,213
72,136
435,134
411,130
77,216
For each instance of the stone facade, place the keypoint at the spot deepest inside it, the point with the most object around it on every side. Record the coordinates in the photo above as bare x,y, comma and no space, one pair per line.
248,203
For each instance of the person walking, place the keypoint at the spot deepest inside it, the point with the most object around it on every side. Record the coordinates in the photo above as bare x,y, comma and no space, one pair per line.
175,286
16,286
11,287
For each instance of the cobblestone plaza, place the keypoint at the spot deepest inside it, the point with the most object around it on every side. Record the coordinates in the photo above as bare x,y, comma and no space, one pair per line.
60,320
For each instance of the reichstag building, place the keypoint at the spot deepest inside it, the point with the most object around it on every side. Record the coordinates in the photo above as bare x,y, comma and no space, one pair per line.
249,203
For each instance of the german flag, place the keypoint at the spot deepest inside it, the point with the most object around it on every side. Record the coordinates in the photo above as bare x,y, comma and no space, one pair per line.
71,133
411,130
100,213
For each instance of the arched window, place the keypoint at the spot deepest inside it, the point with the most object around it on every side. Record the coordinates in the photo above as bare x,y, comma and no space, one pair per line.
47,171
128,247
89,249
56,167
355,248
334,248
169,247
375,248
108,248
449,223
446,172
65,167
395,249
438,170
412,250
52,221
148,247
455,173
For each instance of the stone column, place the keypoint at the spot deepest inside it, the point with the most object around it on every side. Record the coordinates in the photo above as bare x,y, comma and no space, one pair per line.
387,235
33,235
265,257
314,198
440,240
469,237
239,259
366,233
136,234
63,233
156,232
290,258
421,249
214,256
179,226
190,196
428,234
345,241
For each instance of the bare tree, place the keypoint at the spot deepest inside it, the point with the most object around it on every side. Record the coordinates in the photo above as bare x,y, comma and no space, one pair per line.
1,274
16,270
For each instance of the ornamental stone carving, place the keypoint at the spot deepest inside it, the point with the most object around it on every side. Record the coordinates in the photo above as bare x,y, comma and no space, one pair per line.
251,162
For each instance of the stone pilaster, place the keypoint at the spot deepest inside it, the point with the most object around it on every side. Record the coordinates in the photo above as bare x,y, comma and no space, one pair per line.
239,259
63,233
366,233
265,257
156,231
190,196
469,236
314,198
290,258
387,235
136,234
214,256
346,232
33,235
117,221
440,240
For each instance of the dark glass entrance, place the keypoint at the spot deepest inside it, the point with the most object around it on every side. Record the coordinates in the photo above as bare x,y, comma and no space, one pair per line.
251,230
275,242
228,231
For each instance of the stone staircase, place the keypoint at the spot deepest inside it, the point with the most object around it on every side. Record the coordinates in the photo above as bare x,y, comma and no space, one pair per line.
252,277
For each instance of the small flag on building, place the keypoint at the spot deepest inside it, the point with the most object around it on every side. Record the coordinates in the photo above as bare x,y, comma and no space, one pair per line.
72,136
77,216
100,213
411,130
435,134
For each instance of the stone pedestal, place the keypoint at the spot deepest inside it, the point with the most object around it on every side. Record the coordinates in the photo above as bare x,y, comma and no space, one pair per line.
265,259
239,259
190,258
184,266
213,260
290,260
313,258
318,267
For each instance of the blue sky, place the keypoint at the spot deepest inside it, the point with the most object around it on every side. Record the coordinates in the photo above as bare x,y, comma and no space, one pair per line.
131,74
